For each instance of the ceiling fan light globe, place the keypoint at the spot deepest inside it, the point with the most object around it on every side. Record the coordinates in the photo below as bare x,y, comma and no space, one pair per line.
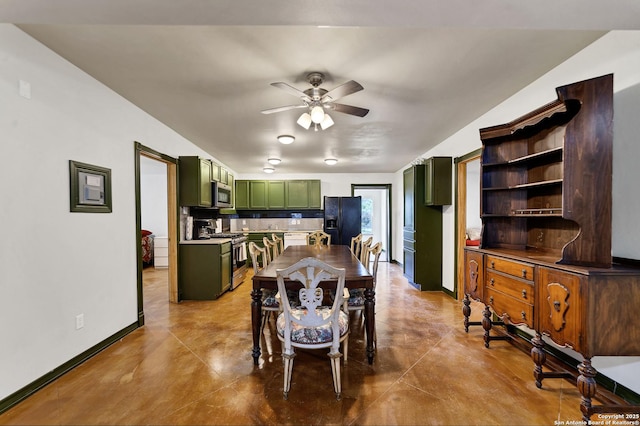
305,120
327,122
317,114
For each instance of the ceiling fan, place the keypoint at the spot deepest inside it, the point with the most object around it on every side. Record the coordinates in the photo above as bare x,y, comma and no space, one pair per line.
317,99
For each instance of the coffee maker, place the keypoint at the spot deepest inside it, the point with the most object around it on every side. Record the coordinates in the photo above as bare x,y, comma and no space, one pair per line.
202,229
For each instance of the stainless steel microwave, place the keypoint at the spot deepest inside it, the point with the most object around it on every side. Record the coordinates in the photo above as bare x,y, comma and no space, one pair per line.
221,195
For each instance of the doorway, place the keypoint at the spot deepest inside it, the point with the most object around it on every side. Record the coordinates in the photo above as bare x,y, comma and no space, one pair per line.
467,209
145,158
376,214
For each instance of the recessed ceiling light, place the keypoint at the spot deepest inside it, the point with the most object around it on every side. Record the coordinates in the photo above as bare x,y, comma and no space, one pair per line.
274,161
268,169
331,161
286,139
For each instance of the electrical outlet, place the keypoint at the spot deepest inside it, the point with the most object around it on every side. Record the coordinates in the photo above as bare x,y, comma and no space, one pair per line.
79,321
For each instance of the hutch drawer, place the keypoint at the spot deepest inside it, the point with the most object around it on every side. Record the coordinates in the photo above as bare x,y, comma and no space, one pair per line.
508,308
521,290
510,267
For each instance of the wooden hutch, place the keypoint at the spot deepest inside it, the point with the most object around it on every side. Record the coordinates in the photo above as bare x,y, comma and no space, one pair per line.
544,259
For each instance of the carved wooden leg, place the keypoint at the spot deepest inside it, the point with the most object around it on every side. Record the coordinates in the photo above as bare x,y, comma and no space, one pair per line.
335,369
586,386
486,324
256,321
466,311
539,358
369,318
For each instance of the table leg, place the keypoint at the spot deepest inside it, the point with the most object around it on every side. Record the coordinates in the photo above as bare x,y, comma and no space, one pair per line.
256,320
370,323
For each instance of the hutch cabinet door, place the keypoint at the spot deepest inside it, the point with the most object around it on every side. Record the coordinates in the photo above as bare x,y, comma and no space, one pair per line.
560,308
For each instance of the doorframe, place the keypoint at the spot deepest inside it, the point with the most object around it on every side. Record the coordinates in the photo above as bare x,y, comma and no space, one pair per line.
387,187
461,216
172,226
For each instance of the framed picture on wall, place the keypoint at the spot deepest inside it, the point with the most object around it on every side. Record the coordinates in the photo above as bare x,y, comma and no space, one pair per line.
90,188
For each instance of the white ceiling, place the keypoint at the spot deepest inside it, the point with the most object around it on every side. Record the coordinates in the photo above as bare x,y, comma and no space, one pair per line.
428,67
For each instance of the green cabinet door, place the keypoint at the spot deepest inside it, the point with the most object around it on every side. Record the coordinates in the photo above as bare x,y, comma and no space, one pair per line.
242,194
225,267
276,194
297,194
315,195
199,272
437,185
215,172
195,181
258,195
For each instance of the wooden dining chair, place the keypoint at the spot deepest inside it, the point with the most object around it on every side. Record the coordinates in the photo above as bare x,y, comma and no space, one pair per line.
279,241
312,326
365,256
318,238
270,298
356,244
354,298
272,247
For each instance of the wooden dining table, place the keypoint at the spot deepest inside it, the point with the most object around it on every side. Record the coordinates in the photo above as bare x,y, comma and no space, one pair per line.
339,256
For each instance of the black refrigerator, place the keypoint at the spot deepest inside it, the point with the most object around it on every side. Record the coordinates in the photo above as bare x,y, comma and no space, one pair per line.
342,218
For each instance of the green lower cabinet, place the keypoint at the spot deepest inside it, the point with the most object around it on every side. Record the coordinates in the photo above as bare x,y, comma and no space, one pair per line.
204,271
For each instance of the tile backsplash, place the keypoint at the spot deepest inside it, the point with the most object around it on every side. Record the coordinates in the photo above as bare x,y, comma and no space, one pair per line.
272,224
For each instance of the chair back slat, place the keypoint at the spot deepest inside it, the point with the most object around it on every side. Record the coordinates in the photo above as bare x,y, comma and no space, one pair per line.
259,256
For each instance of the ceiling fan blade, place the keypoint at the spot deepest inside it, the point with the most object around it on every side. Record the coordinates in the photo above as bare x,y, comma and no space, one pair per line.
349,109
292,90
341,91
283,108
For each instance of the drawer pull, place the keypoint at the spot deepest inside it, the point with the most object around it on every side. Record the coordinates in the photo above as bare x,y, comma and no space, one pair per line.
524,294
493,265
491,300
556,305
524,273
523,314
492,281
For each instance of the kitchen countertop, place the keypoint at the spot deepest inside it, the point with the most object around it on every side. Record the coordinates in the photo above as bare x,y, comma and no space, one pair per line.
287,231
209,241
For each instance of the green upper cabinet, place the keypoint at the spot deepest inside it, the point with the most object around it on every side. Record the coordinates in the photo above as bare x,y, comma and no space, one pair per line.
195,181
242,194
224,176
303,194
258,195
275,194
315,194
437,188
215,172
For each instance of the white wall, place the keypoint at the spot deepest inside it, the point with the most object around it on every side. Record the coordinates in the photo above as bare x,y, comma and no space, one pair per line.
617,52
55,264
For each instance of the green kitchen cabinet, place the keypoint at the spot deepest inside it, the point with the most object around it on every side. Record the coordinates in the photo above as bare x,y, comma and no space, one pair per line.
421,233
195,181
303,194
258,195
437,185
241,194
205,270
215,172
276,194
